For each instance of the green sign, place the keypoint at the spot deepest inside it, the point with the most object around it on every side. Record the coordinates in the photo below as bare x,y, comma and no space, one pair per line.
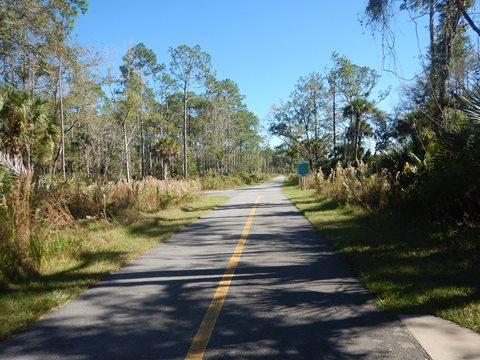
303,169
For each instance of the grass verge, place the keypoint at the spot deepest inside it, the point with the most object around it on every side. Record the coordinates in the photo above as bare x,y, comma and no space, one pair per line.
411,267
75,259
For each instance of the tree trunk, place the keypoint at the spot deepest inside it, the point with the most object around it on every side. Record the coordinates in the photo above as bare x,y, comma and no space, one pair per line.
87,163
431,27
142,135
334,117
357,137
141,149
127,156
165,168
452,18
357,130
62,120
185,160
150,161
315,114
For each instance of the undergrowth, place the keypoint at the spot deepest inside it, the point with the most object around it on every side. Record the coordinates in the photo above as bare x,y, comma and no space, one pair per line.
216,182
31,212
72,259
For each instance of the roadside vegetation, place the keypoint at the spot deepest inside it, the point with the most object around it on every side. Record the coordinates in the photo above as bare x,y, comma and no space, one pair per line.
233,181
66,261
89,153
97,163
411,265
34,213
397,193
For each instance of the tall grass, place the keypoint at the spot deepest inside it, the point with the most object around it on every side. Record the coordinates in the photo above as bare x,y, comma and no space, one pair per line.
355,186
75,258
113,199
31,213
15,229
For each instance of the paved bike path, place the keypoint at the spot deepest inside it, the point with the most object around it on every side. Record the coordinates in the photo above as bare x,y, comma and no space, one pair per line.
291,297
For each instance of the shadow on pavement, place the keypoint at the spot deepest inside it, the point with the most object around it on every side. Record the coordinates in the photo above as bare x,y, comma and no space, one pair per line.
291,298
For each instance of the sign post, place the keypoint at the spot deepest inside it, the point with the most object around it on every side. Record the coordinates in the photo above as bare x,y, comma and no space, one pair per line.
303,170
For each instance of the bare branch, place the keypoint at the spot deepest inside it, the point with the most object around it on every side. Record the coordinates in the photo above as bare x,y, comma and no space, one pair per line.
469,20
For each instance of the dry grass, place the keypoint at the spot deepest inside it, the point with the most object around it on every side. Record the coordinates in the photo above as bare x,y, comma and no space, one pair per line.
31,213
355,186
16,230
74,259
148,195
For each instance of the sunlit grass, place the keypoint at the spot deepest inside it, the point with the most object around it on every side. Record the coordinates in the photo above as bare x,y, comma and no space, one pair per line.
77,258
411,266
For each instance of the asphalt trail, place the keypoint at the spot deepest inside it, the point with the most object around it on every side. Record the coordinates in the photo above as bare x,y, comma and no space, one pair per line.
291,297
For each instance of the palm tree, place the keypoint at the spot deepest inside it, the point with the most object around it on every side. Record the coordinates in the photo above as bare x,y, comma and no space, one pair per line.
359,110
166,148
25,125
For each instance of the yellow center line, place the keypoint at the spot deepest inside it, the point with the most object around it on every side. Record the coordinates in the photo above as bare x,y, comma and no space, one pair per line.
200,342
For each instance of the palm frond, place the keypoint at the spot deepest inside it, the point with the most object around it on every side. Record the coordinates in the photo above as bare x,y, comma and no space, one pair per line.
471,105
13,164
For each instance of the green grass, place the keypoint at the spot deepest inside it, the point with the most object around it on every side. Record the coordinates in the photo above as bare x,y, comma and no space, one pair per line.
75,259
411,266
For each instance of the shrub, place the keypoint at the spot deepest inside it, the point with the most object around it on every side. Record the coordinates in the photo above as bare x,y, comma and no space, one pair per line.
449,187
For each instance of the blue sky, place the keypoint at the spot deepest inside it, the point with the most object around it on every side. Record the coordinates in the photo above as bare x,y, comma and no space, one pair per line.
263,45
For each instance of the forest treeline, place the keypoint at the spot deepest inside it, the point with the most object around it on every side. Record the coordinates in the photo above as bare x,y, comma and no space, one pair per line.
81,139
423,156
65,111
